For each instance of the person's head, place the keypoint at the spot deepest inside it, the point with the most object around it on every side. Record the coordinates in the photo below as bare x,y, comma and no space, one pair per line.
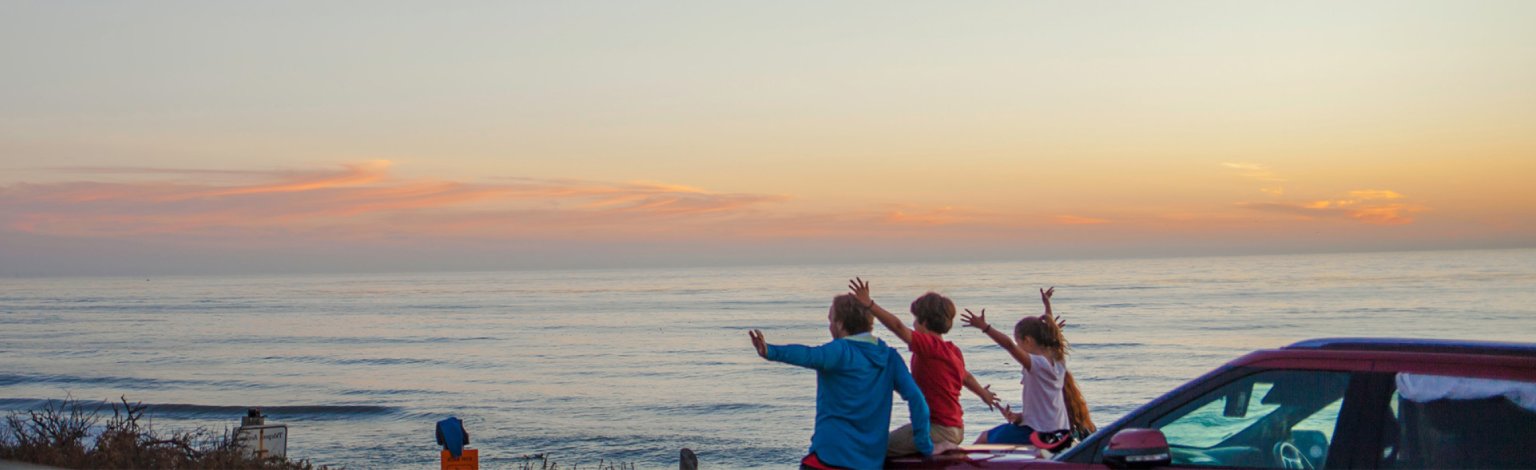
848,317
934,313
1040,337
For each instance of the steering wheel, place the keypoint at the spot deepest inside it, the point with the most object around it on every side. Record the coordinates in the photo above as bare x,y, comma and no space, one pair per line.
1291,457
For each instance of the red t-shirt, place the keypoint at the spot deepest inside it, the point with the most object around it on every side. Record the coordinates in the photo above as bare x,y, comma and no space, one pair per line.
939,371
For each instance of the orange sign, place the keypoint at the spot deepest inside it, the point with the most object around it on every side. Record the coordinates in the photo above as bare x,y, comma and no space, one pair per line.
470,460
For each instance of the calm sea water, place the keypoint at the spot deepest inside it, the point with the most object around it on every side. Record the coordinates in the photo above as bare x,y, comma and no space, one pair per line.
632,365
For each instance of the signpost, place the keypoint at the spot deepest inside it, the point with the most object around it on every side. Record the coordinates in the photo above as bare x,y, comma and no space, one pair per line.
256,439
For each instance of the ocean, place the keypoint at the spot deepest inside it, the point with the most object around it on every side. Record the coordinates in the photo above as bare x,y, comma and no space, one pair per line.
631,365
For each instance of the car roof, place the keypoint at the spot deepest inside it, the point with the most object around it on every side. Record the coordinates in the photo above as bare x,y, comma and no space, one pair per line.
1418,345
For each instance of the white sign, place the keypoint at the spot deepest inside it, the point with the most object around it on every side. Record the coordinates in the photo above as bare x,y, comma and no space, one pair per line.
266,441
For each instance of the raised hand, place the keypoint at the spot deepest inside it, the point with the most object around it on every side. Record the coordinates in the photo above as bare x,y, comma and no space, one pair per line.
860,289
759,343
975,320
1045,298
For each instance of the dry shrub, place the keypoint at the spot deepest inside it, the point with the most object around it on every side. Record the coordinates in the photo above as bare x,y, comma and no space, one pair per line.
541,462
57,435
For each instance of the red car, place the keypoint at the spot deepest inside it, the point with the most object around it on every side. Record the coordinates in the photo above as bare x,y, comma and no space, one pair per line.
1324,403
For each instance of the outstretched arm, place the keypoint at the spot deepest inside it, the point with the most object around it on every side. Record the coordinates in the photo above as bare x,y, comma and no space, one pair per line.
794,354
984,393
860,289
979,321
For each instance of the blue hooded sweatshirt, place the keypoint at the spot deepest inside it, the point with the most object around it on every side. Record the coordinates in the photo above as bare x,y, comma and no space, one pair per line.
854,380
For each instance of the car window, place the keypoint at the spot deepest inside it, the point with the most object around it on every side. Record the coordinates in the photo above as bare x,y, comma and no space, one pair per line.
1274,419
1460,422
1206,426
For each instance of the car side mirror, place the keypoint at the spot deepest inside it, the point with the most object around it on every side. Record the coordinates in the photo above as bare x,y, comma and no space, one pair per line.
1138,448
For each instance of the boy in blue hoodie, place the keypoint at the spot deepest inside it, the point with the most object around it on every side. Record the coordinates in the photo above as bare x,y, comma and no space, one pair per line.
855,374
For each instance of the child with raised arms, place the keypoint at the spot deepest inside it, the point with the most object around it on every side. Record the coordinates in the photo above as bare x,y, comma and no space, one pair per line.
1053,410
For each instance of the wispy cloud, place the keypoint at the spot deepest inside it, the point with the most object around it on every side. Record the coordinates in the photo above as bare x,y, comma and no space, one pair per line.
357,174
368,202
1255,171
1369,194
1261,173
1372,206
360,198
1079,220
937,216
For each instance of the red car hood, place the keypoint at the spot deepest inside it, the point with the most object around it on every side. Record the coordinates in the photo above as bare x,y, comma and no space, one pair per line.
978,456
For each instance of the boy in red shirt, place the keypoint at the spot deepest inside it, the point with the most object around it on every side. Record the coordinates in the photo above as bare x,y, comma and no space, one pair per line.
937,367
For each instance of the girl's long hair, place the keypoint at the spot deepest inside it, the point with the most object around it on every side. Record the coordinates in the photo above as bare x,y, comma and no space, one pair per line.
1077,409
1049,336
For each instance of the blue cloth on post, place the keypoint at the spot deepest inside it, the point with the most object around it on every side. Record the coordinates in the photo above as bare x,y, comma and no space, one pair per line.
452,436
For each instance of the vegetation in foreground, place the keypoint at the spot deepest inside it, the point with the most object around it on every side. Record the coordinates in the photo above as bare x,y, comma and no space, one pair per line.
541,462
65,434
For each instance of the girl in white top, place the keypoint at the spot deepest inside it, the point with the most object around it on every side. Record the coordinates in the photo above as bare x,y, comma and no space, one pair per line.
1053,409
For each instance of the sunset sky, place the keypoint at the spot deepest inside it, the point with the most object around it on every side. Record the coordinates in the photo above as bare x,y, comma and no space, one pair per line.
252,137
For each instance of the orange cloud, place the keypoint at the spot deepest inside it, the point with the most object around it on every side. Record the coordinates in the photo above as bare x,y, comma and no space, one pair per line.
940,216
1364,205
355,175
357,198
1392,214
366,202
1375,194
1079,220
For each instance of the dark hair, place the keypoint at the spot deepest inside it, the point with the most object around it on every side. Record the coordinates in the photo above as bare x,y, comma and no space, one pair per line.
853,316
1045,334
935,312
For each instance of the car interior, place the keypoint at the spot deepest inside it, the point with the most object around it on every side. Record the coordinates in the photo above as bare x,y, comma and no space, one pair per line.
1262,435
1491,432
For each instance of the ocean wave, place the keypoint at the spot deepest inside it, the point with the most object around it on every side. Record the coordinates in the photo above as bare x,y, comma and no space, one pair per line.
131,383
1092,346
1108,306
378,361
759,302
1243,326
447,307
708,408
185,410
331,340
